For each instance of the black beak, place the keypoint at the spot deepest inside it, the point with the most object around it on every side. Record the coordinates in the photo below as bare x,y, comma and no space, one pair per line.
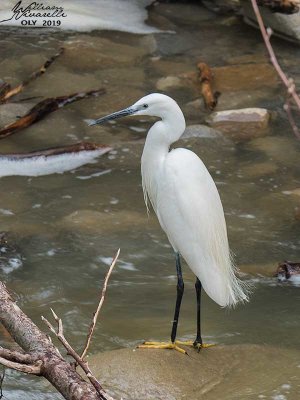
115,115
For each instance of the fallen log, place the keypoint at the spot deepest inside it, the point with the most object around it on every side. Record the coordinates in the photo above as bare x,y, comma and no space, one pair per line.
44,108
52,160
40,357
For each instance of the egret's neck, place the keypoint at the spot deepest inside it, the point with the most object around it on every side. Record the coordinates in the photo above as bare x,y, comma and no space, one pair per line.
159,139
165,132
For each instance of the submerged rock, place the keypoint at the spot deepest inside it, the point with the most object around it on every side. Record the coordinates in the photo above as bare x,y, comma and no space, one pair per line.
257,170
243,124
200,131
168,82
221,372
245,76
95,221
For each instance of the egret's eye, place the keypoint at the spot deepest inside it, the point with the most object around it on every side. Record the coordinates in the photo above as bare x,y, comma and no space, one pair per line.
145,105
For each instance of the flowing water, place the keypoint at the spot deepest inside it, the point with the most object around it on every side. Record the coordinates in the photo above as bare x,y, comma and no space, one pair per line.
67,227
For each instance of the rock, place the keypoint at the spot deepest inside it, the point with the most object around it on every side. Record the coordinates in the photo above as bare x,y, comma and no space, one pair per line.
185,13
165,68
221,372
258,170
10,111
244,77
243,124
168,82
222,6
267,98
285,26
282,149
95,221
265,269
200,131
99,53
295,192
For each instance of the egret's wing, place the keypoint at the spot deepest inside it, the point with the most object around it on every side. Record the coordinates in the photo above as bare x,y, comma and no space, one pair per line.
191,213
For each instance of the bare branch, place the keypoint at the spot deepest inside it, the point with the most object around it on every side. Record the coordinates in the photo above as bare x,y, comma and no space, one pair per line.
287,108
96,314
45,107
18,89
54,368
28,369
17,356
70,351
266,34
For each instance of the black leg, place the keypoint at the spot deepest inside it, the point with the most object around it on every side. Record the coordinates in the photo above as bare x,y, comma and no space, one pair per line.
198,341
180,290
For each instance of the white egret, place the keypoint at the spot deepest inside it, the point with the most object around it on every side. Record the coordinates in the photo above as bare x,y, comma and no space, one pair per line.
188,207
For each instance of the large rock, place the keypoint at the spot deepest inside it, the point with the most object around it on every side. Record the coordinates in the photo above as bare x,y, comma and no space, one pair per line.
221,372
285,26
244,77
243,124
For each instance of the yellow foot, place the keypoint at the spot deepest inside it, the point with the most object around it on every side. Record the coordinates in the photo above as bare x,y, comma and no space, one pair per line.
191,343
161,345
173,346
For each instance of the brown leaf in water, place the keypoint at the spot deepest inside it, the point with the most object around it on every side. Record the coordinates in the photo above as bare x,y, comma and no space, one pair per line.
44,108
10,92
206,78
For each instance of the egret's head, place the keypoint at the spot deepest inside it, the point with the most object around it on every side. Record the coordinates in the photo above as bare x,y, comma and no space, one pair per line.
155,105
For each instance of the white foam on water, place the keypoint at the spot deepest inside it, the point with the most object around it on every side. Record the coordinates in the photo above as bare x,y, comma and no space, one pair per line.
46,165
126,265
11,265
85,16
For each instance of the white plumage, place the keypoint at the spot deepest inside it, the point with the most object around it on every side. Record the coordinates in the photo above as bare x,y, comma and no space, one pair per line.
188,206
187,203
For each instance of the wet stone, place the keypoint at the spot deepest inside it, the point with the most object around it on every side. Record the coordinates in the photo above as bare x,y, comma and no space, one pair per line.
98,53
244,77
95,221
10,111
168,82
243,124
256,170
281,149
200,131
169,375
285,26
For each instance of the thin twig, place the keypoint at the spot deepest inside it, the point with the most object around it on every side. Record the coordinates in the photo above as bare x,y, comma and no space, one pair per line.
96,314
59,333
287,109
83,364
18,89
17,356
266,34
34,369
